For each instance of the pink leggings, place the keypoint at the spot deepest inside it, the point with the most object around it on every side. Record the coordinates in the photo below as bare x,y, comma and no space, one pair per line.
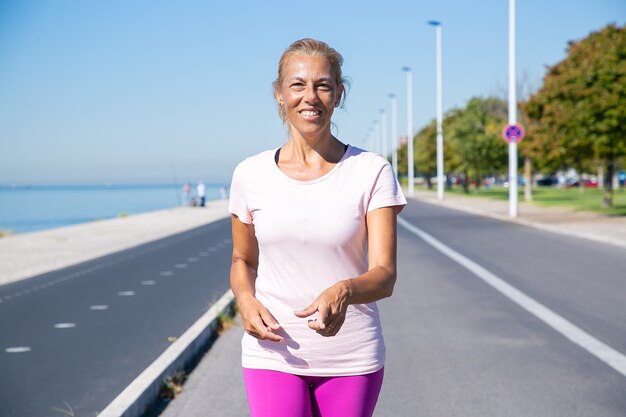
279,394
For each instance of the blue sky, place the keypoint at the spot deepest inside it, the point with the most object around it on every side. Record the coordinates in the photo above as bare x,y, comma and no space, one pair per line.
133,91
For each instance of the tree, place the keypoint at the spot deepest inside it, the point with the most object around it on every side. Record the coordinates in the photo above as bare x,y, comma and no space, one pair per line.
474,136
579,114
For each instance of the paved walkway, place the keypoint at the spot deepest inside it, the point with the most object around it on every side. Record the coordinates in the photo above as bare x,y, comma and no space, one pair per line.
215,387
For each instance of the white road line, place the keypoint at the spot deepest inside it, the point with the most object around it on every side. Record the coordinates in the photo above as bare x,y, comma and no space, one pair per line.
192,259
203,253
126,293
600,350
166,273
17,349
64,325
180,266
148,282
99,307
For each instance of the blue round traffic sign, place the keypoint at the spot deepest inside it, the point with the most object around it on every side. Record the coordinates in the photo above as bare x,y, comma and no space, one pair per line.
513,133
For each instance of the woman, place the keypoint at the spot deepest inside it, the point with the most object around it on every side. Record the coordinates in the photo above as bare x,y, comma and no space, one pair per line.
314,246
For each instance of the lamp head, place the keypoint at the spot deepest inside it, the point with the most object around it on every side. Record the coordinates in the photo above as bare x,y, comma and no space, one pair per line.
434,23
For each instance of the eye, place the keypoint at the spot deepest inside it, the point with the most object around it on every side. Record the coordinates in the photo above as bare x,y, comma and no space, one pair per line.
325,87
297,85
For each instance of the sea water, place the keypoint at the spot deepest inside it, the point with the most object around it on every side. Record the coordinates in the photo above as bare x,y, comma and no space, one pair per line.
31,208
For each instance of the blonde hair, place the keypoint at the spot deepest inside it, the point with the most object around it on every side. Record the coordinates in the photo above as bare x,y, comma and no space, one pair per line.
311,47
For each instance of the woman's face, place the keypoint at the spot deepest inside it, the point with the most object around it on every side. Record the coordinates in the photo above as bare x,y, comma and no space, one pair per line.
308,94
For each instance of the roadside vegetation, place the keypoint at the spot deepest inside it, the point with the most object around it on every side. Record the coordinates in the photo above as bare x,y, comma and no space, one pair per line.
570,198
575,123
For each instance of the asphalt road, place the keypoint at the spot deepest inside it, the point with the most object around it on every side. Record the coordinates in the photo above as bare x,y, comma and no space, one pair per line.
473,352
73,339
458,347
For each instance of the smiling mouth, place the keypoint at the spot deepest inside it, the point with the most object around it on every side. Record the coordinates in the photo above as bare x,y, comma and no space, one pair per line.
310,113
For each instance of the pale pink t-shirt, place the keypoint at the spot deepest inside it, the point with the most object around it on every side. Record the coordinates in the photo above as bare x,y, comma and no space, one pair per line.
312,234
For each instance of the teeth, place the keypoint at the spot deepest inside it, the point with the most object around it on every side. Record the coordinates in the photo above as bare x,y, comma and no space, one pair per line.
310,113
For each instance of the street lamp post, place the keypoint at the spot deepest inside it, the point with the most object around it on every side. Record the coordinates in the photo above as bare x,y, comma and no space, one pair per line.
394,133
440,173
383,133
512,114
375,136
409,129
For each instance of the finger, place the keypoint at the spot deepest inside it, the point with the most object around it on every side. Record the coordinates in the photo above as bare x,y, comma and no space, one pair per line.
269,320
312,308
333,327
323,318
315,325
261,331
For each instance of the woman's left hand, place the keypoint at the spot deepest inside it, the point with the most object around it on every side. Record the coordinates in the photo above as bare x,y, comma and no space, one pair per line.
331,305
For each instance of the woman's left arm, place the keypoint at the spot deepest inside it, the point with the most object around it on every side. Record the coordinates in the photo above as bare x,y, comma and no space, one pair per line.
373,285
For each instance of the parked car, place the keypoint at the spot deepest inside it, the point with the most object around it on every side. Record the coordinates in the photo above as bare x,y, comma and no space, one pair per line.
548,181
588,183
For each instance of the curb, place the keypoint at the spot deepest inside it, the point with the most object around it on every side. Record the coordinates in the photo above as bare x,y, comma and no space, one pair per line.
548,228
142,393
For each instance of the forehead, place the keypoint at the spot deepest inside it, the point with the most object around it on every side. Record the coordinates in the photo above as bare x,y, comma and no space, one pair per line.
307,66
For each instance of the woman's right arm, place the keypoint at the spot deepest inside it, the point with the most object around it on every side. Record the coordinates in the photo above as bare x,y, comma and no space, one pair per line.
257,320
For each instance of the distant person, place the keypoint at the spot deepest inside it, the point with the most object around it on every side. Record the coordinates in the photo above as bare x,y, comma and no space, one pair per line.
201,191
186,194
314,248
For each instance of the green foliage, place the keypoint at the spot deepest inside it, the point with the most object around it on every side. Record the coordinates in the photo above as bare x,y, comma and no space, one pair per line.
472,142
570,198
473,133
579,114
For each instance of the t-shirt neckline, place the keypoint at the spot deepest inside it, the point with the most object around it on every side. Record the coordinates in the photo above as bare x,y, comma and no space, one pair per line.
314,180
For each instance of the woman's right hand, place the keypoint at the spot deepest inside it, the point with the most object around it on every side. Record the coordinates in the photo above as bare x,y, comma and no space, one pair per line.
257,320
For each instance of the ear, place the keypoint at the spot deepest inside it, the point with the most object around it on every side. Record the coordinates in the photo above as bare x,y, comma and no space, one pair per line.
279,98
339,95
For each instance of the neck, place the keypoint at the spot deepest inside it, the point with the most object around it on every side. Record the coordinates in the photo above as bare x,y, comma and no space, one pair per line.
310,149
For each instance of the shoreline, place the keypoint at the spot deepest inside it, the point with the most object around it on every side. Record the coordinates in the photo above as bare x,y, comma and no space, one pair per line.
28,254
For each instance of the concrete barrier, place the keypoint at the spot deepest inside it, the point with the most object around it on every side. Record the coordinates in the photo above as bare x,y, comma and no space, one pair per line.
143,392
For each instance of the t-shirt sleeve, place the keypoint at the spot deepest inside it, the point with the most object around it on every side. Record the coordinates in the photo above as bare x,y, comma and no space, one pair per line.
238,204
386,191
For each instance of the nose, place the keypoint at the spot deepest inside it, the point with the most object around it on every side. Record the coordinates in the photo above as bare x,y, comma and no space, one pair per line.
310,94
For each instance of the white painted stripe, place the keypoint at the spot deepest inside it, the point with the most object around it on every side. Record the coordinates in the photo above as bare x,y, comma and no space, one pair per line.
17,349
143,382
203,253
148,282
64,325
180,266
192,259
600,350
99,307
166,273
126,293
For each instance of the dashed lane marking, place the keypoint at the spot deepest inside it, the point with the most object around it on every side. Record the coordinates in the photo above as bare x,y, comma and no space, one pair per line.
99,307
93,268
180,266
148,282
64,325
192,259
126,293
166,273
599,349
17,349
203,253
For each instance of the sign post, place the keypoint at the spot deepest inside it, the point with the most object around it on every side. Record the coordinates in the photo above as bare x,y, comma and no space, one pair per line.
512,114
513,134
